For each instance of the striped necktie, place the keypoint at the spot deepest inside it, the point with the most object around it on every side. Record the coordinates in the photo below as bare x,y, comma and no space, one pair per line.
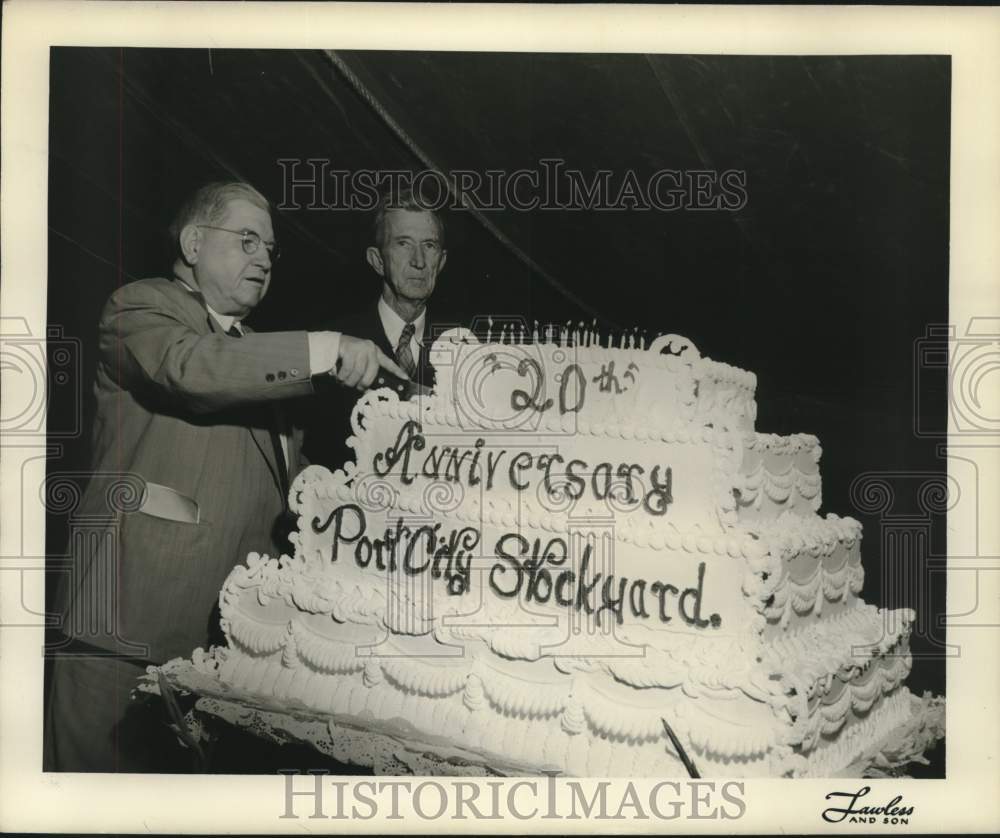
404,355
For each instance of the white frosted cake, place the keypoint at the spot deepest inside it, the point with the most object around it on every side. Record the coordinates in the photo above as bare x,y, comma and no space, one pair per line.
564,547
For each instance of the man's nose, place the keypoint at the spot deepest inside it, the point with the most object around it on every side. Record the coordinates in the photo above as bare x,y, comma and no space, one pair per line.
417,259
263,258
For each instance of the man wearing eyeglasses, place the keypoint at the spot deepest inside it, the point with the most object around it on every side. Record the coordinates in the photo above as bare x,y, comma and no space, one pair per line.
187,414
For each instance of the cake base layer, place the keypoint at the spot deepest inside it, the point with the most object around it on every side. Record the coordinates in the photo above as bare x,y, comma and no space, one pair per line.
896,733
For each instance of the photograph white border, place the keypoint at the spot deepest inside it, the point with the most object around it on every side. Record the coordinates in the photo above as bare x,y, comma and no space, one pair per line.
31,801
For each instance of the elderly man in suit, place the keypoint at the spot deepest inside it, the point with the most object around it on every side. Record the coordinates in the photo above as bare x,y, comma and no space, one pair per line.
188,407
407,255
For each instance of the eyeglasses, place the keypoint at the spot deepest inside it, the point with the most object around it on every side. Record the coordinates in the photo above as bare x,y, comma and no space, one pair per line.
251,241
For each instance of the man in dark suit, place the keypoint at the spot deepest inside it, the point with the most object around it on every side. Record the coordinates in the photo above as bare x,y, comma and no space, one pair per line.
188,411
408,254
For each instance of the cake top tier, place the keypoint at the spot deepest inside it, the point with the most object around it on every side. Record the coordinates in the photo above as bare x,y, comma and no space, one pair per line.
531,383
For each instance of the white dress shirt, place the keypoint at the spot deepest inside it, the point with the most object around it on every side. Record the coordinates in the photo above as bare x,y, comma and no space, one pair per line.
226,321
393,325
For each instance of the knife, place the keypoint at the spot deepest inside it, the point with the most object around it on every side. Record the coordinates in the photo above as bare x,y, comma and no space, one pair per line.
404,388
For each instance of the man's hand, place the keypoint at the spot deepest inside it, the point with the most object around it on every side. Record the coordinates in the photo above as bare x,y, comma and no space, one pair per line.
360,361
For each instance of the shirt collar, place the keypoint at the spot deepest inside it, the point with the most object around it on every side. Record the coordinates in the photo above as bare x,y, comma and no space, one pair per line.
393,323
225,321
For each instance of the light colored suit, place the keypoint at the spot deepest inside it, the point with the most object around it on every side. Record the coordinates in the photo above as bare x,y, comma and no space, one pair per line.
186,407
184,484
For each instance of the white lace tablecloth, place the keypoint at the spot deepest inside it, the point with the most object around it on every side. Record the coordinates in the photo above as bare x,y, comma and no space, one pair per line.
390,748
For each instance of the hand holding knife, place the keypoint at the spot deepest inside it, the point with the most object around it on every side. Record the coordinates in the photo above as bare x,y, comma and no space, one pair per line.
362,365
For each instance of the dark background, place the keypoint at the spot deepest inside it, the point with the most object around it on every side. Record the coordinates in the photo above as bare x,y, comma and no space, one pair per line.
822,284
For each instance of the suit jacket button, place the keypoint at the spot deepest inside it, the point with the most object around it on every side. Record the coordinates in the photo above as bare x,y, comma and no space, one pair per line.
282,375
269,377
293,372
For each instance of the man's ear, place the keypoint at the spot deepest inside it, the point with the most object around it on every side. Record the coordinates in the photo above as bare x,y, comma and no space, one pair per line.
374,258
190,241
444,258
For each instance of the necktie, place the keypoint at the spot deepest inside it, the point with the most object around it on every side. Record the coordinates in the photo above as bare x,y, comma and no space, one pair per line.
404,355
279,454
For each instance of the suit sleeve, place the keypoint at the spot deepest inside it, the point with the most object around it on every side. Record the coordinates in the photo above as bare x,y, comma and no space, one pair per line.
146,343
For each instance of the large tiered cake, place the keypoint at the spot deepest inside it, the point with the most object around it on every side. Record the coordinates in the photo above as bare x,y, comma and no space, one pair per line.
564,547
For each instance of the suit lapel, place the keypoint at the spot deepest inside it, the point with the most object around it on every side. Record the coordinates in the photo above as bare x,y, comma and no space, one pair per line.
271,416
268,415
377,330
265,413
425,372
